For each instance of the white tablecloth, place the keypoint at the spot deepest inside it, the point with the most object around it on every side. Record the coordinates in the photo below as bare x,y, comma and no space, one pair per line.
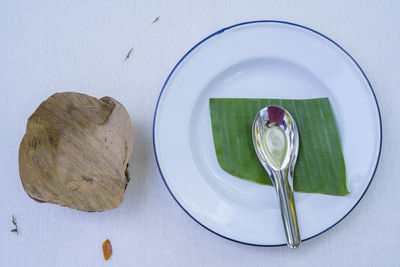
50,46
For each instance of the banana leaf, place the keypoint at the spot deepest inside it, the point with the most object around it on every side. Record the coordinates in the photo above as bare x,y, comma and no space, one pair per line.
320,166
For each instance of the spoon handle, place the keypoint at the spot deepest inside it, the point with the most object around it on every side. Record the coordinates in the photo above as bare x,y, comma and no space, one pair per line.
283,183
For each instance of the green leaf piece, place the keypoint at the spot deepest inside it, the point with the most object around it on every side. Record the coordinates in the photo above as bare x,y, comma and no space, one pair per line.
320,166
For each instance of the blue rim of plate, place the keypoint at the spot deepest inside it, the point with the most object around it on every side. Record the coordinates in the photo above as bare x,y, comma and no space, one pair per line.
254,22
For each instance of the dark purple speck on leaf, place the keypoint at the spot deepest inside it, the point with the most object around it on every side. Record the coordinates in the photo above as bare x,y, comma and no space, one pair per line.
276,114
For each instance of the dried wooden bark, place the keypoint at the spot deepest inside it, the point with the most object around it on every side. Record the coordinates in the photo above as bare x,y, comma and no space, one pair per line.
75,152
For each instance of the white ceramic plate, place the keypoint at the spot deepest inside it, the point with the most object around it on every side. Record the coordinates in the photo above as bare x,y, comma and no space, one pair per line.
262,59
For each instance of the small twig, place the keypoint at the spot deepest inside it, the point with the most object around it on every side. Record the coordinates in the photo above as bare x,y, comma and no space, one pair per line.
129,53
156,19
14,221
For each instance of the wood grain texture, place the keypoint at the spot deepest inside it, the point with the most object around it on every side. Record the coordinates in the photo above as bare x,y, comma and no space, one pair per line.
75,152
